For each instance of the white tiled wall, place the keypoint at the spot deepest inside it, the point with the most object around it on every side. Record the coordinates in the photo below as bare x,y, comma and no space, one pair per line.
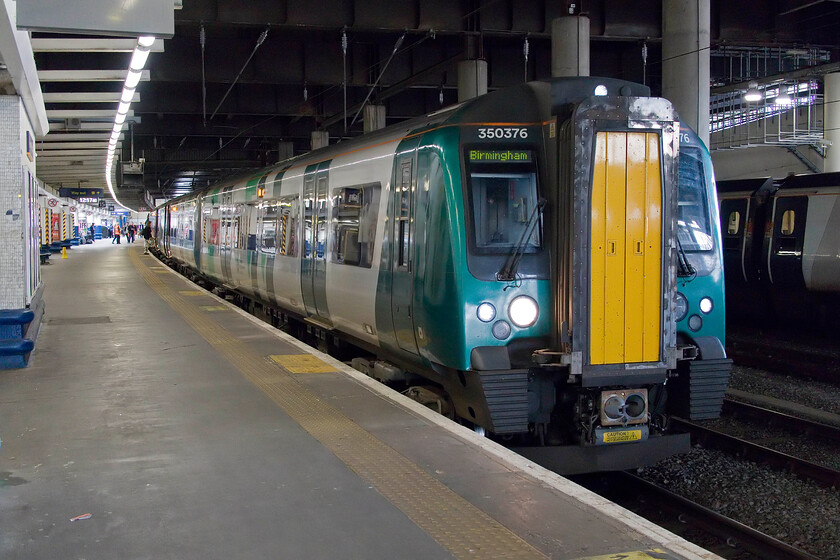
13,213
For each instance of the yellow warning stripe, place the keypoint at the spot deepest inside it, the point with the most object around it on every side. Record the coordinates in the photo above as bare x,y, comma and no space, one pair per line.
457,525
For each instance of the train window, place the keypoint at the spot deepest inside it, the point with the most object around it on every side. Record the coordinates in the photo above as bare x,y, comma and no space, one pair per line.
734,223
354,219
503,196
287,229
788,222
694,227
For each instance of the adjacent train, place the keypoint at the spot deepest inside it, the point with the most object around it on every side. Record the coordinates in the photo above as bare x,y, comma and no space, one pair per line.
781,243
525,259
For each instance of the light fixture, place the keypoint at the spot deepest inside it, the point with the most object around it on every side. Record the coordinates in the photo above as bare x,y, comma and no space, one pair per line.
783,98
127,95
752,93
138,59
133,78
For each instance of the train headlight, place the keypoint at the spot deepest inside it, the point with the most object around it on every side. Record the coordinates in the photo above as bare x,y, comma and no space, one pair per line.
681,307
706,305
486,312
523,311
695,323
601,90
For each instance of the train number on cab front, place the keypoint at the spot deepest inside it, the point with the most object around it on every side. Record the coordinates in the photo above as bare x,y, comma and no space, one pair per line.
502,132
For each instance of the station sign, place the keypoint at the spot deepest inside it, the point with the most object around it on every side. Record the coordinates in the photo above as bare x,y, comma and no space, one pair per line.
79,192
110,208
101,203
121,213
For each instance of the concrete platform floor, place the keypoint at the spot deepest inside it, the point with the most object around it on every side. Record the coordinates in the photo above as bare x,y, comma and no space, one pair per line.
175,421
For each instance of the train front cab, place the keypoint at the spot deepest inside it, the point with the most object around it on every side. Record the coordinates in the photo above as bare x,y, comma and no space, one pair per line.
596,386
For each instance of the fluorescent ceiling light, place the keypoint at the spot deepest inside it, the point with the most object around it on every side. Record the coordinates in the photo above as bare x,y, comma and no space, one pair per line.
127,95
138,59
133,79
145,41
120,118
123,108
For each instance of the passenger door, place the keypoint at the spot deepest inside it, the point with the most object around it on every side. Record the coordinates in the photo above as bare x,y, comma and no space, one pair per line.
733,223
313,273
784,261
402,250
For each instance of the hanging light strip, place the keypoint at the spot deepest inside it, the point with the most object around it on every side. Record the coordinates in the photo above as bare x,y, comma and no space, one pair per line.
135,71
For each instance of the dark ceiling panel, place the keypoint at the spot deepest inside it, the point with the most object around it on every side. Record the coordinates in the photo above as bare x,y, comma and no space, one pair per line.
528,15
322,13
640,18
441,14
384,14
253,13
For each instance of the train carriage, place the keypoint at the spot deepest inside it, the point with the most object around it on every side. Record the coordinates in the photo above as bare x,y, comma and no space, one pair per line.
515,256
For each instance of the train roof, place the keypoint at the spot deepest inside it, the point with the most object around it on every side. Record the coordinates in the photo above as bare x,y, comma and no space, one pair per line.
741,185
811,180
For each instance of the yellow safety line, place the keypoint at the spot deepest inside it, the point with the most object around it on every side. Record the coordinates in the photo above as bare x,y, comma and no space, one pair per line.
457,525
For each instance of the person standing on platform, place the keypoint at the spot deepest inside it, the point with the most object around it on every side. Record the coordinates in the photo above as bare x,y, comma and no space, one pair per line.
92,233
117,234
129,234
147,235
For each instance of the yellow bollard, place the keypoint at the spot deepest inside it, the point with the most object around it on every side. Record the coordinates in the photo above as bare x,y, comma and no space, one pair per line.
64,252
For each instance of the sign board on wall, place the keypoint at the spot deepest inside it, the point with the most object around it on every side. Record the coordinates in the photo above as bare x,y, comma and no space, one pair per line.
78,192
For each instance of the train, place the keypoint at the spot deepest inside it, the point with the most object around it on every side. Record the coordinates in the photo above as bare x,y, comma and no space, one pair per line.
781,244
524,262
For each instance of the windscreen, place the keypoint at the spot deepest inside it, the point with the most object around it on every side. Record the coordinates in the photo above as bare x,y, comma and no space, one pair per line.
694,227
503,196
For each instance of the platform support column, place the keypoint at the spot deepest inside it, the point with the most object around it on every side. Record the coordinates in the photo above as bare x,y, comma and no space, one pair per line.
374,118
685,61
570,46
320,139
831,109
472,79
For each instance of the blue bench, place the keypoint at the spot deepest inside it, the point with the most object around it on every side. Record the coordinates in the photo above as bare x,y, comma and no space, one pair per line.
17,337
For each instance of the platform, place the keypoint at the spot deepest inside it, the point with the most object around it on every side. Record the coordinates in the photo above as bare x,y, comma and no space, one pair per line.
190,430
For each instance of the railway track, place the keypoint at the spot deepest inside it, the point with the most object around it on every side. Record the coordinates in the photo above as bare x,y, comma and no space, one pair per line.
734,538
769,352
744,449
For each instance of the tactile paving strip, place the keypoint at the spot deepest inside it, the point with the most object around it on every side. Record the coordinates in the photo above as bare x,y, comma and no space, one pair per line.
463,529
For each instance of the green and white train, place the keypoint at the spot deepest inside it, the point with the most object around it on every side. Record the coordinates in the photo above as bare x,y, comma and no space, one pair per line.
515,258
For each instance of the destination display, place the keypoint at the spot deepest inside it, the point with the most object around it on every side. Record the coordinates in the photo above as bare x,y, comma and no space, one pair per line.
88,199
500,156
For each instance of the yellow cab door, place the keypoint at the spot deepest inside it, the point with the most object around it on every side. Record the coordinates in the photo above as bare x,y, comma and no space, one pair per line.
626,249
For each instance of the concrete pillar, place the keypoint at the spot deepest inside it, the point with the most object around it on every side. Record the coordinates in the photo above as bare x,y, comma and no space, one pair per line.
285,150
831,118
685,61
472,79
320,139
374,117
570,46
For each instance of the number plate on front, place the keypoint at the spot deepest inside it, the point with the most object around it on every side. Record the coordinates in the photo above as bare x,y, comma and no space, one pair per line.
620,437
